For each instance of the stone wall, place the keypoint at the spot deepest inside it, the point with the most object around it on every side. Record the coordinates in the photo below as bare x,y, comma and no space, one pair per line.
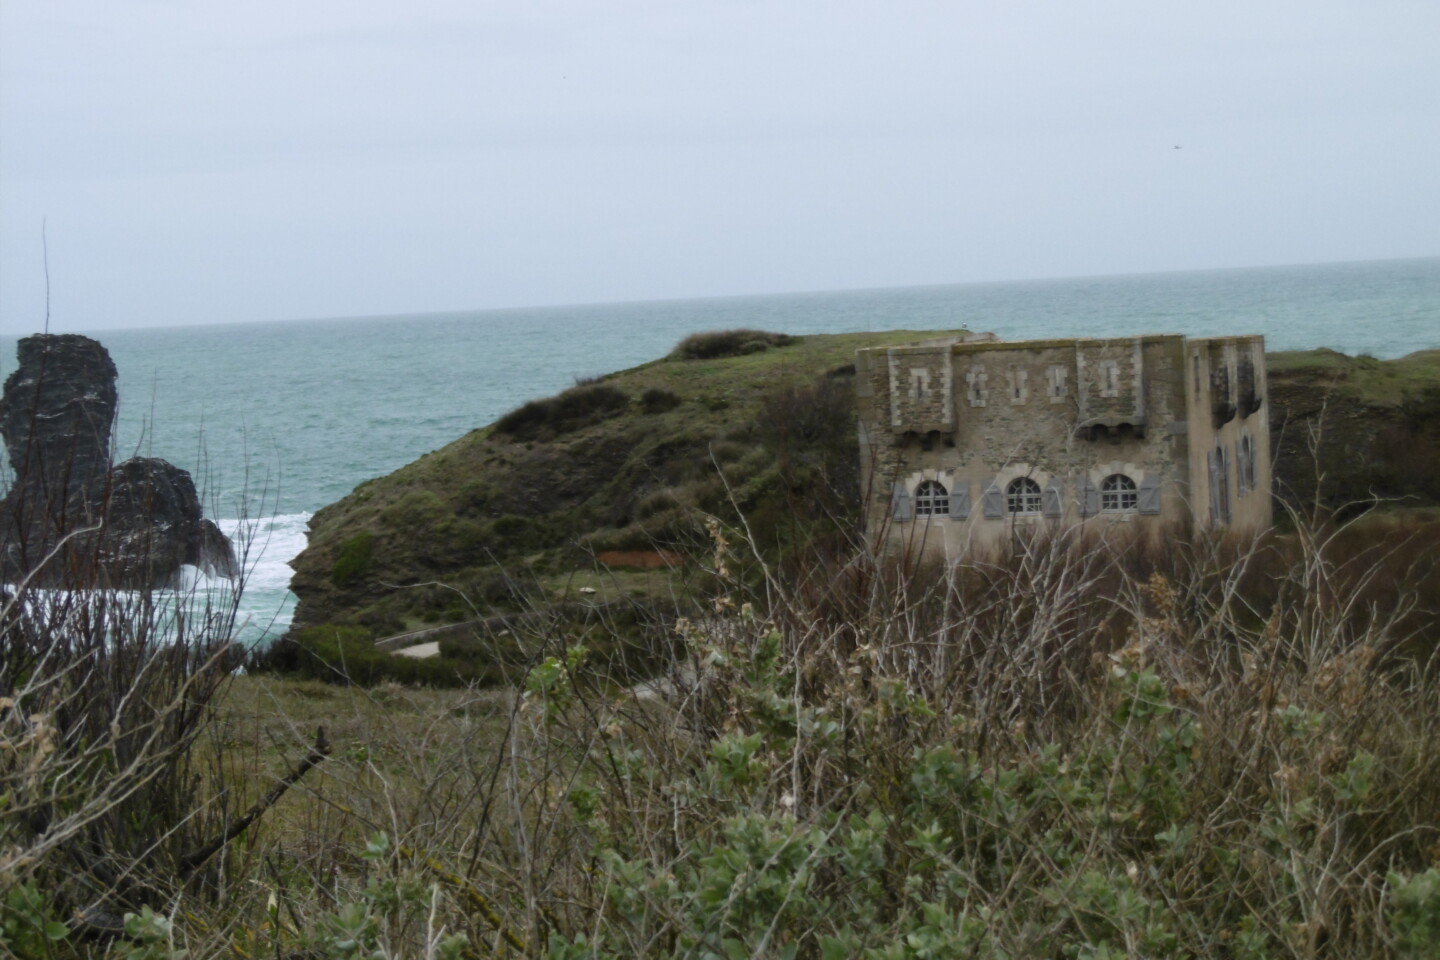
1058,432
1229,435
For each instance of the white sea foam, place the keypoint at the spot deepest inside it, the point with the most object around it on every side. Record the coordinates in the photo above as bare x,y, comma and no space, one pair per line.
198,605
265,546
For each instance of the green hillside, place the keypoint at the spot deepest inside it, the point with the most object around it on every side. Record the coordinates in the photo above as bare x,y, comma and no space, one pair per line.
603,488
625,463
1346,431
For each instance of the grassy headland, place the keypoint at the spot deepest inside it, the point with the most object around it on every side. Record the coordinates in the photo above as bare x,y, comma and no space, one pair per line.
617,469
1347,430
604,487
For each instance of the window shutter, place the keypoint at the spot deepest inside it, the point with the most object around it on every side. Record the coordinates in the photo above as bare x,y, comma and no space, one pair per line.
1052,505
993,504
1149,501
900,502
1223,460
960,501
1089,497
1214,464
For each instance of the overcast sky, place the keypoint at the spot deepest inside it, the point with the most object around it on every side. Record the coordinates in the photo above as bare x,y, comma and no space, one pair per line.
257,160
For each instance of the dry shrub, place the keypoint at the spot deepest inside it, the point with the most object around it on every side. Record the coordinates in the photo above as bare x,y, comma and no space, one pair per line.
1072,748
717,344
105,695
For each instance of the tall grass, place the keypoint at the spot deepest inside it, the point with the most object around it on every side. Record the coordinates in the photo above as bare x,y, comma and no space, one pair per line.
103,694
1222,748
117,794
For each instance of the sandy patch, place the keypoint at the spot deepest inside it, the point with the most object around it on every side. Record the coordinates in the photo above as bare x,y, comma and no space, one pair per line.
420,651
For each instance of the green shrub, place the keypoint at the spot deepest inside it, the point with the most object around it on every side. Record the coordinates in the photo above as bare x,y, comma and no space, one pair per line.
658,400
566,412
348,655
469,538
353,560
418,508
494,587
1065,750
512,527
475,495
728,451
1415,912
716,344
656,502
584,404
28,927
473,646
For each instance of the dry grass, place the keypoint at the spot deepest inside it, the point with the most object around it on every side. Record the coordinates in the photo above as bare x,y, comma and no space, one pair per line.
1228,748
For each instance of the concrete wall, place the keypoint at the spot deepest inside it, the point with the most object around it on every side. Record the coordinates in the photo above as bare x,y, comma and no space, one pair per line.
1065,415
1229,432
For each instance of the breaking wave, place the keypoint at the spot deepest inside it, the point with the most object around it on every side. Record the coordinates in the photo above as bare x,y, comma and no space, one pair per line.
264,546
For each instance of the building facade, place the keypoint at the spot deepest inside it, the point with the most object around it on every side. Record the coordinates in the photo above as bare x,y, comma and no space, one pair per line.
967,442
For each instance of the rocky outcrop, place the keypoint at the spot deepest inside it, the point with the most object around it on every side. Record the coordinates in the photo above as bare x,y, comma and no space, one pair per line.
55,417
156,525
69,518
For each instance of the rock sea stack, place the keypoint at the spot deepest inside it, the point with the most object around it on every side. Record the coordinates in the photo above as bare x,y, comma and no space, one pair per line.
70,519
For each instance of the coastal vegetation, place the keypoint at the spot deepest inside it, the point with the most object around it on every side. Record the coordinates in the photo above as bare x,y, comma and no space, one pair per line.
583,489
1223,749
586,490
746,735
715,344
1350,431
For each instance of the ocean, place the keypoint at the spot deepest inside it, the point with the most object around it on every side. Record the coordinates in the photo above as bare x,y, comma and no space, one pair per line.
277,419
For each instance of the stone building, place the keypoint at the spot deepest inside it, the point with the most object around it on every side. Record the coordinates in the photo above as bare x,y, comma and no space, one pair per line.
969,441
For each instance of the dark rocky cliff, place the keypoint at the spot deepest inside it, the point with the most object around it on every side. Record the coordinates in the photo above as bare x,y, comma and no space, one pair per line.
55,417
71,519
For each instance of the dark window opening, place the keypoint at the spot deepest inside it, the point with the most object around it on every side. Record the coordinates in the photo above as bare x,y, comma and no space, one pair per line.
1118,494
1022,496
932,500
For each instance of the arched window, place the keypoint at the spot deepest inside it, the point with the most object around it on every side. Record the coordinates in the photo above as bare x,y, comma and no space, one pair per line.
932,499
1245,463
1022,496
1118,494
